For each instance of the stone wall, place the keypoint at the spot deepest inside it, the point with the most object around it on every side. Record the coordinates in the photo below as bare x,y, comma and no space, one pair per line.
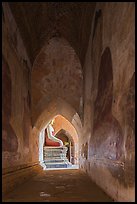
19,147
60,123
56,74
107,146
42,21
33,94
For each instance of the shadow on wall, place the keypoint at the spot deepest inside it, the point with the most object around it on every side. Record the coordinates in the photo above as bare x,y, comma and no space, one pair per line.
107,142
107,133
69,142
9,138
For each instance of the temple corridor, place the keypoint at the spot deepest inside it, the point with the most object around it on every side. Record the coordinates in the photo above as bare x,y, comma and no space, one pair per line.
58,186
68,101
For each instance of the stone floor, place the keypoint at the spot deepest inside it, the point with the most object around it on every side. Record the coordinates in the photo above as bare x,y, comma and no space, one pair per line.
58,186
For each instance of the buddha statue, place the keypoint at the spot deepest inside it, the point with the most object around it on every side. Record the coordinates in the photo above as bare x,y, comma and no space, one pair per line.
51,140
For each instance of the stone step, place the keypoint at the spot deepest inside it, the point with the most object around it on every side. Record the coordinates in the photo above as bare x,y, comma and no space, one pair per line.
55,157
57,165
55,161
55,148
54,153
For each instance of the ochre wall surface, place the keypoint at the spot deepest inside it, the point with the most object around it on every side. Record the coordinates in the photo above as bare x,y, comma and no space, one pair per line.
53,77
19,145
107,146
78,66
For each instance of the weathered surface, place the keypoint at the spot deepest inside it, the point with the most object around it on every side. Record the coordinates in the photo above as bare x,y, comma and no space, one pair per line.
14,177
18,144
9,138
44,49
109,99
43,20
58,186
107,139
56,74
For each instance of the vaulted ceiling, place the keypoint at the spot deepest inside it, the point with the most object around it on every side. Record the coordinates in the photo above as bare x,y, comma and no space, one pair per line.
40,21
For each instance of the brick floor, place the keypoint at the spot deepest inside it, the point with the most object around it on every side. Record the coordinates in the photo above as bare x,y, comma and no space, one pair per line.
58,186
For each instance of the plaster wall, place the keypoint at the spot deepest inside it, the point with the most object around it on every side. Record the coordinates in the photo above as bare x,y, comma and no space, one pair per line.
107,145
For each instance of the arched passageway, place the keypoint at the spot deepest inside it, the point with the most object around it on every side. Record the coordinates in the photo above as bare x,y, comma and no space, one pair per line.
69,142
55,92
60,125
72,63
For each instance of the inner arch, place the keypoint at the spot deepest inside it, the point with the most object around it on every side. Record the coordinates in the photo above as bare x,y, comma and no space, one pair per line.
60,123
59,107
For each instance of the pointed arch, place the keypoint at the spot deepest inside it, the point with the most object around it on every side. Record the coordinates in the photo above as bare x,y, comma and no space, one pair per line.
66,112
59,107
56,73
73,137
